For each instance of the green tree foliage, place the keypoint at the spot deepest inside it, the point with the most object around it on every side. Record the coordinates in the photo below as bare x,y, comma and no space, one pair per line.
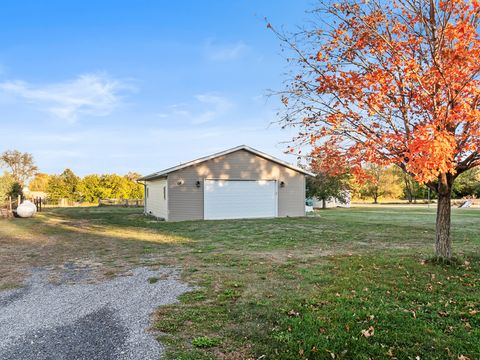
39,182
90,188
9,187
21,165
136,189
324,187
468,184
16,191
115,186
71,181
383,182
412,190
63,186
6,182
94,187
56,188
121,187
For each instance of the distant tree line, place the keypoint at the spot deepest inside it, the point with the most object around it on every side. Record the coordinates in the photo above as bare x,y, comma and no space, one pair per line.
20,170
90,188
383,183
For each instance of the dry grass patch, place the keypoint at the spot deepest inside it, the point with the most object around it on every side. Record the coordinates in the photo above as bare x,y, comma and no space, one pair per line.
51,240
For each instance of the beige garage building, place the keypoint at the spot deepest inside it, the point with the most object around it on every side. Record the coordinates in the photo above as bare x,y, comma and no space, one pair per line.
237,183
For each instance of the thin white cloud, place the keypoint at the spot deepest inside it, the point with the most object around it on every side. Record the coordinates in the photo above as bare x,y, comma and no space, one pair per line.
216,107
224,52
203,109
88,94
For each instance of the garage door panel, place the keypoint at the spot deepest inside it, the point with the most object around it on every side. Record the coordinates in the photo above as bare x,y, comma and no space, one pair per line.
233,199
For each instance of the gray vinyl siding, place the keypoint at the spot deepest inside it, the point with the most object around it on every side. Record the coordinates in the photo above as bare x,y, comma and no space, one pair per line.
185,200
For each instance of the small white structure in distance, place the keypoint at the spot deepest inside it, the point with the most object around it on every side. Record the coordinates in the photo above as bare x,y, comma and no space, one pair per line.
26,209
466,204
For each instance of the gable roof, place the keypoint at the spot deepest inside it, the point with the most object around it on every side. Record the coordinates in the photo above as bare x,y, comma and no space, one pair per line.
165,172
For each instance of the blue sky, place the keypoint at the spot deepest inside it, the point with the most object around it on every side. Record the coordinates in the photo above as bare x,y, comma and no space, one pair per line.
117,86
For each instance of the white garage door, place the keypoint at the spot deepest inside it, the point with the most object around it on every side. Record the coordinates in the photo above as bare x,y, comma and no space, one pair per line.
237,199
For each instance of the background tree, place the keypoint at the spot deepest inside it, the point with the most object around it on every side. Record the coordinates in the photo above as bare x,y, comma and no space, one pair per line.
382,182
325,186
16,190
391,83
21,165
115,186
110,186
9,187
468,184
39,182
6,183
63,186
90,188
135,189
132,176
56,188
412,188
70,182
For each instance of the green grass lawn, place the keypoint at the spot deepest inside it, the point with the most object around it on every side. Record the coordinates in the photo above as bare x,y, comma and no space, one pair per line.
344,284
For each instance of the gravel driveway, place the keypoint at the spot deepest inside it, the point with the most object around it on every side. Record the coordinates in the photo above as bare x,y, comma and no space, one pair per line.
107,320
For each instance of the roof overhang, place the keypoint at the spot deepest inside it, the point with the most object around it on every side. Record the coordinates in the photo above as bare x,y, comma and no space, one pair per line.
164,173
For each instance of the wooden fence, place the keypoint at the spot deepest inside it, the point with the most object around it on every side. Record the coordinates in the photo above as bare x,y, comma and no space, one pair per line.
121,202
5,212
8,207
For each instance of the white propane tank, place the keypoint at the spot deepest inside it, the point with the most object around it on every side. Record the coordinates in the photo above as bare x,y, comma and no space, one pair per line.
26,209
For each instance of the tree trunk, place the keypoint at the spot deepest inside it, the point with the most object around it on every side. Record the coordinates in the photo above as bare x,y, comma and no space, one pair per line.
443,245
408,189
324,204
409,196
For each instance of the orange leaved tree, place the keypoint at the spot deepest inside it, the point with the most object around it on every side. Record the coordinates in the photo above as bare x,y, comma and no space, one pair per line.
390,82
